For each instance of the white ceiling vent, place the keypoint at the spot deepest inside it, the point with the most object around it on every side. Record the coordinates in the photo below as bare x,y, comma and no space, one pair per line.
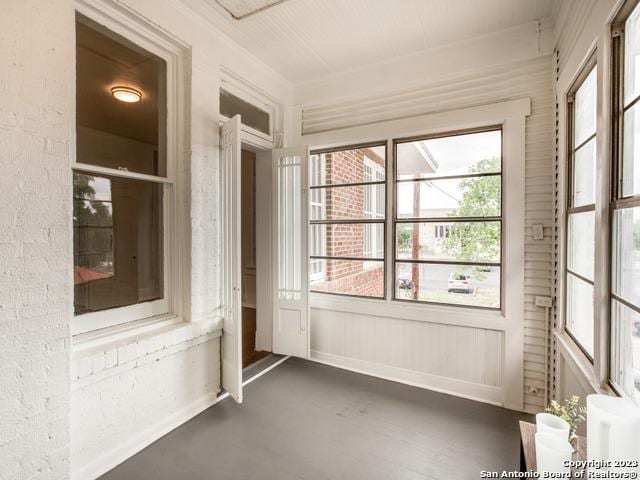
240,9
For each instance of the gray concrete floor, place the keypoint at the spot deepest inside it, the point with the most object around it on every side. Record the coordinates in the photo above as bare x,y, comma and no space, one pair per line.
308,421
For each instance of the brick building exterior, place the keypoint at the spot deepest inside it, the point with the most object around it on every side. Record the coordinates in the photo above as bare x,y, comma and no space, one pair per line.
353,240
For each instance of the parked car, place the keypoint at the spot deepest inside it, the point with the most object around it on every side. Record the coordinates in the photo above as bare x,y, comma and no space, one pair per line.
460,282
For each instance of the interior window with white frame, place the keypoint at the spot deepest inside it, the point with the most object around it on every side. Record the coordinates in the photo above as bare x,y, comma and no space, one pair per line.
121,182
625,206
580,226
347,192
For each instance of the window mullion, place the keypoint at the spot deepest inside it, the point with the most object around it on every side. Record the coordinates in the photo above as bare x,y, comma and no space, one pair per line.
114,172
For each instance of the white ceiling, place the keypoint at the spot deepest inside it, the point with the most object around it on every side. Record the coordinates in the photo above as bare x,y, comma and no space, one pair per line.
305,39
243,8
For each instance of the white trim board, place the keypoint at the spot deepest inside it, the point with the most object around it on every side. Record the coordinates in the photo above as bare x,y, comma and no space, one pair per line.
449,315
458,119
458,388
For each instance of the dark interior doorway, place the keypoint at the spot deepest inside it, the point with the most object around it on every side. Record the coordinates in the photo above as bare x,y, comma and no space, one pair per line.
249,326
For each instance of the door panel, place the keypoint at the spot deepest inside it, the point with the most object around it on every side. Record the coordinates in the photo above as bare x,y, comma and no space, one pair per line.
230,156
290,252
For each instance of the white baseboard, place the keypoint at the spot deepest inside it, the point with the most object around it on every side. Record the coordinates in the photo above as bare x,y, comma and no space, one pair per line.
459,388
125,450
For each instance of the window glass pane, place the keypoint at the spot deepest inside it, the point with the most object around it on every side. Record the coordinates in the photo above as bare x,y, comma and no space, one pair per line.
112,133
580,243
350,277
625,265
631,153
350,203
457,284
584,174
625,348
467,197
580,311
359,240
355,165
632,56
250,115
585,110
452,241
288,228
452,155
317,267
117,242
341,198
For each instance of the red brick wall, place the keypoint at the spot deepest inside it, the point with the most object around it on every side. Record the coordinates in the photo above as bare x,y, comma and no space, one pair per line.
357,281
348,240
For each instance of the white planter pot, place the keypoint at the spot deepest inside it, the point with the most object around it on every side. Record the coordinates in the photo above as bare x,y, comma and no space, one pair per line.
548,423
613,433
553,453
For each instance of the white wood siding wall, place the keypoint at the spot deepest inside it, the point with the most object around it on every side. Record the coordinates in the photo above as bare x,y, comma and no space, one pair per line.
571,382
405,343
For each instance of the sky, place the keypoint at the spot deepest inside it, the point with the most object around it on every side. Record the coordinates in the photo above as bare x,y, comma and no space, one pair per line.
454,156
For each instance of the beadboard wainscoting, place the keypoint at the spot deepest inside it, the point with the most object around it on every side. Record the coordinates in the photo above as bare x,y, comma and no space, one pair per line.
464,361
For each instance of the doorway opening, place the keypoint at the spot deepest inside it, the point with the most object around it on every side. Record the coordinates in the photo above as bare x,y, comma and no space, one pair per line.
252,352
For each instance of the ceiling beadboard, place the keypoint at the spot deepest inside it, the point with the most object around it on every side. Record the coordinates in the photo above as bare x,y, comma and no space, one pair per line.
530,78
239,9
305,39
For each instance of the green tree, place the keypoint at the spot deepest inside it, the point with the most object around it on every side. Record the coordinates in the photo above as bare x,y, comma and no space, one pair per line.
477,241
93,225
405,233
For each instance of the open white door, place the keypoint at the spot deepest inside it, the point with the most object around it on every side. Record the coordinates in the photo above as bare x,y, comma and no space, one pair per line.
230,162
290,255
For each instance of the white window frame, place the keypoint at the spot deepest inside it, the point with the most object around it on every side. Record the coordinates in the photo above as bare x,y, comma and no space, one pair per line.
317,170
148,37
371,219
585,71
498,218
375,173
619,202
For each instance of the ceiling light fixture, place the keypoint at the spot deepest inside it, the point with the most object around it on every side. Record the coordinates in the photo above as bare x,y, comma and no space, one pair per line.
126,94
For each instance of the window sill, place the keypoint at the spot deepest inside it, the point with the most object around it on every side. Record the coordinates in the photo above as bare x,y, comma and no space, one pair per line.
444,314
99,354
570,351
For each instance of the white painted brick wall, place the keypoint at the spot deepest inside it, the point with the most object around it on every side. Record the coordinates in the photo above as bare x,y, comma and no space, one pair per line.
146,384
123,396
103,418
35,227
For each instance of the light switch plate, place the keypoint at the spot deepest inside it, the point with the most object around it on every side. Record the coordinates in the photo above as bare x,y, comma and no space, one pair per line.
543,302
538,232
